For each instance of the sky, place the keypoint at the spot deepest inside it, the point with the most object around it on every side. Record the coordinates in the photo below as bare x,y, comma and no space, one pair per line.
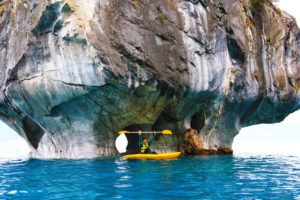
11,144
281,138
292,7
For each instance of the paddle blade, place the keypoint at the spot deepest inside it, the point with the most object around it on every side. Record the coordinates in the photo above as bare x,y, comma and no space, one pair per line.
123,132
121,143
167,132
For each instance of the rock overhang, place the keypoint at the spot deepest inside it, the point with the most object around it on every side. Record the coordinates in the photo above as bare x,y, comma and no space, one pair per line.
82,72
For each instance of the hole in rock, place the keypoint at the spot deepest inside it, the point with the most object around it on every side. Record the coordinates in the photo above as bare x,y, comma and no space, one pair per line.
133,139
270,139
198,121
12,145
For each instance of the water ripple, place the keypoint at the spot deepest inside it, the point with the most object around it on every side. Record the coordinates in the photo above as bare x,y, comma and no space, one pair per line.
213,177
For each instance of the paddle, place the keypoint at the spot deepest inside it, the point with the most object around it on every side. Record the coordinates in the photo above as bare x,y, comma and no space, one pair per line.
164,132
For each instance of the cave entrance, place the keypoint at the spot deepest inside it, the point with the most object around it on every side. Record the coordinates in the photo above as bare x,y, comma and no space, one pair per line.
12,145
198,121
133,139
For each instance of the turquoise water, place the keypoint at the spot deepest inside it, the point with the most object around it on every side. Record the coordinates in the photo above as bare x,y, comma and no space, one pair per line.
215,177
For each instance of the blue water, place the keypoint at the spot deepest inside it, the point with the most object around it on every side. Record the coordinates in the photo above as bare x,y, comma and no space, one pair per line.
214,177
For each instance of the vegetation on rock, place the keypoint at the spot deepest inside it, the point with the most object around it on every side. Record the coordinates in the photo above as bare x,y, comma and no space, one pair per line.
257,6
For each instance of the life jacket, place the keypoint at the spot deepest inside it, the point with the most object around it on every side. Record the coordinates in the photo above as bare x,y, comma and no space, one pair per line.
144,147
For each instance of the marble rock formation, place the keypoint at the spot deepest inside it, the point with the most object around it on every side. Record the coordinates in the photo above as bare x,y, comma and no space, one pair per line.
74,72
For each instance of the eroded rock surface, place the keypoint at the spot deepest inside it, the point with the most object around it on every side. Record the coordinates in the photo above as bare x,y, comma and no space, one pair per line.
74,72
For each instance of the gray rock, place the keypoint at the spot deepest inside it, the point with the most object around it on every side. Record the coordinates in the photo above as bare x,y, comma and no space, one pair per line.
74,73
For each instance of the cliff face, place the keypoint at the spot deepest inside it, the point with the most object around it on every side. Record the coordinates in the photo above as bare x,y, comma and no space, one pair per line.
74,72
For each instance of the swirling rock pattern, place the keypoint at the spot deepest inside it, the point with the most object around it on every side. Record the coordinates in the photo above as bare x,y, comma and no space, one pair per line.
74,72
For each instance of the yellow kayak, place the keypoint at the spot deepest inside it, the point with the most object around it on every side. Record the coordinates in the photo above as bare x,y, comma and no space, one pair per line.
159,156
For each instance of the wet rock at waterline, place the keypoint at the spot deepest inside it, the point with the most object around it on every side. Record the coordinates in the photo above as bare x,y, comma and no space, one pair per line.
74,72
192,145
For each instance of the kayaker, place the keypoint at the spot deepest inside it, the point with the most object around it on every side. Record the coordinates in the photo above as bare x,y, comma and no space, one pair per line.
145,145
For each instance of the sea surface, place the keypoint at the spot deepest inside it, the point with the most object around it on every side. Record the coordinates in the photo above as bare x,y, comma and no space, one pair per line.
214,177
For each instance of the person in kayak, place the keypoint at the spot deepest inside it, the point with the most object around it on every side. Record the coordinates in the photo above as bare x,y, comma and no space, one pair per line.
145,145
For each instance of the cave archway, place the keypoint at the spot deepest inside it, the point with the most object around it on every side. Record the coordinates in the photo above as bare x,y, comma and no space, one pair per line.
12,145
133,139
198,121
270,139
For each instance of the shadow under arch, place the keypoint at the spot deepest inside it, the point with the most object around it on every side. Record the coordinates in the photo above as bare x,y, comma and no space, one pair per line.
133,139
198,121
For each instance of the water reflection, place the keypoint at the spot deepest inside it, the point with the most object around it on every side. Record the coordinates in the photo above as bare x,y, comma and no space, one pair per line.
122,170
122,165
